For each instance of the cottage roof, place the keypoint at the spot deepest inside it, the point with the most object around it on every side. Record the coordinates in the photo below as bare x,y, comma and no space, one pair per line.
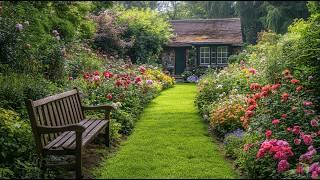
206,31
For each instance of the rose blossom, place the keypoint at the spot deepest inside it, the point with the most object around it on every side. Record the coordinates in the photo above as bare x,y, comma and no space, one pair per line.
283,165
97,73
249,113
252,70
299,88
297,141
284,115
307,139
299,169
109,96
307,103
296,129
268,133
275,121
275,86
284,97
295,81
251,107
314,123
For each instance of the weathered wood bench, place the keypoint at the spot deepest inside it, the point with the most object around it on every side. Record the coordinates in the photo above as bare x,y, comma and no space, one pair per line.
60,127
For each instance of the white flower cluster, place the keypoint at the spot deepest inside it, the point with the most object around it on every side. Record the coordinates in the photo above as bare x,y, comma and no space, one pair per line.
116,105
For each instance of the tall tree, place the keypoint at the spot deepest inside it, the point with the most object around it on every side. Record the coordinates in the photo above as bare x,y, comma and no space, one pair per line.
139,4
249,12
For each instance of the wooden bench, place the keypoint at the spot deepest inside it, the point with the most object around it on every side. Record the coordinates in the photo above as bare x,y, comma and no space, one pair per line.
60,127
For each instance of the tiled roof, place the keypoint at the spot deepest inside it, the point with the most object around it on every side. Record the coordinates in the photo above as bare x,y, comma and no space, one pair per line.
206,31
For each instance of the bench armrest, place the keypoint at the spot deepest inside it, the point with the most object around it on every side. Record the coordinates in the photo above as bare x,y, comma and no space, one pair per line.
48,129
99,107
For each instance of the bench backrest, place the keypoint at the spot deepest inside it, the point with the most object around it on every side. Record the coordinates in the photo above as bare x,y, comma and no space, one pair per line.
57,110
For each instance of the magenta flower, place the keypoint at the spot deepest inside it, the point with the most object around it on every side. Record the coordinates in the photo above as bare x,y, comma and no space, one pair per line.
275,121
268,133
283,166
307,139
307,103
314,123
297,141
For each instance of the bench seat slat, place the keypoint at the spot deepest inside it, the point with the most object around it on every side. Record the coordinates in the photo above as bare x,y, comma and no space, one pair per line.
67,139
67,134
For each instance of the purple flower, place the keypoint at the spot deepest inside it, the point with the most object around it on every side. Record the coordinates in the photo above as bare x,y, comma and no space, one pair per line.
314,167
149,81
19,27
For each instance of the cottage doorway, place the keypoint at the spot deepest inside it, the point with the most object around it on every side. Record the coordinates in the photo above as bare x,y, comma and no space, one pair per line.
180,60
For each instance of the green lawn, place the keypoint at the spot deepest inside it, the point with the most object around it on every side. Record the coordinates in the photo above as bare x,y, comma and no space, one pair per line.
170,141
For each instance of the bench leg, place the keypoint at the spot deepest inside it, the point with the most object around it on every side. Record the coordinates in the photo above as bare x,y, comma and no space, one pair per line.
79,157
107,135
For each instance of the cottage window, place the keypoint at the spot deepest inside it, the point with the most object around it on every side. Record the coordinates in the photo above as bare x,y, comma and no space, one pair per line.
222,55
204,55
213,56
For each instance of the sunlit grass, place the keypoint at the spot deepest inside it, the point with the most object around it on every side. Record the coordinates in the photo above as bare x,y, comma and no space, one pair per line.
170,141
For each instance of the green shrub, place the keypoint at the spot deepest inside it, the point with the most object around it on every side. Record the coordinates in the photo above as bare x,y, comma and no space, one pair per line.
17,147
233,143
15,89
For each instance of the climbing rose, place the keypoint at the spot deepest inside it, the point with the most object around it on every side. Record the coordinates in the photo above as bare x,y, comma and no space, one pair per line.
284,115
307,103
297,141
295,81
268,133
314,123
283,165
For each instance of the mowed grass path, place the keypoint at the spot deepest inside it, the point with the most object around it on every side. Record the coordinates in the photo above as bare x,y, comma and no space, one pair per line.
169,141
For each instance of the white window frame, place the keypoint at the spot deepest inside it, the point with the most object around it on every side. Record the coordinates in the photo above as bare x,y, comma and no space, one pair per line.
222,55
213,55
204,55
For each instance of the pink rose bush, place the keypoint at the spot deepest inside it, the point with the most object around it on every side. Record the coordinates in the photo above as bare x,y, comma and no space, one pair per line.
286,116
